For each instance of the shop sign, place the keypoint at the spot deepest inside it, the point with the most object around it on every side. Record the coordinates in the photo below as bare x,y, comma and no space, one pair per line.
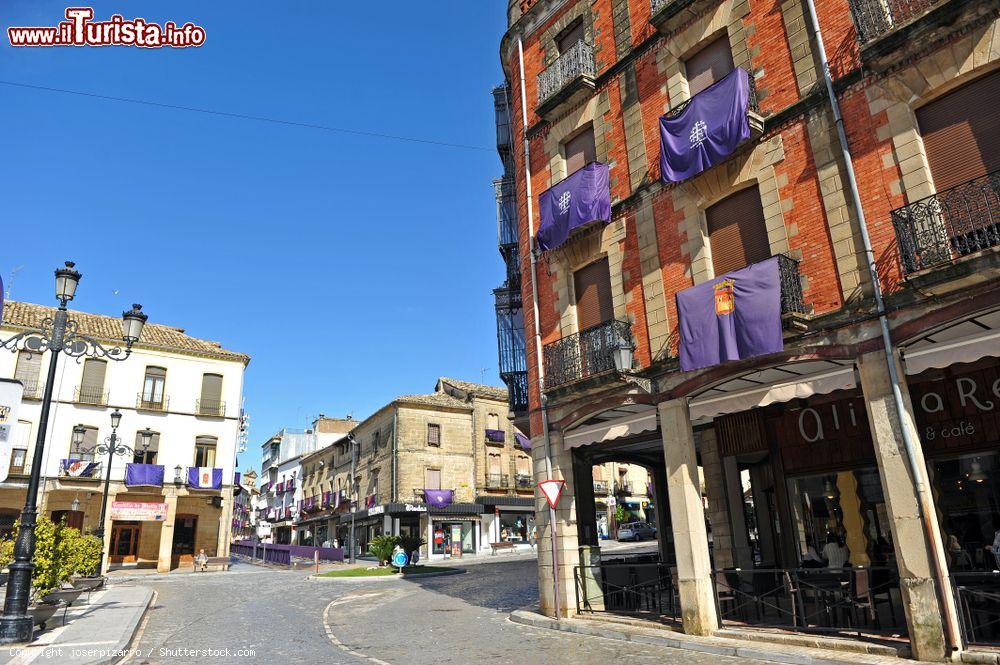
410,508
376,510
10,403
961,412
136,511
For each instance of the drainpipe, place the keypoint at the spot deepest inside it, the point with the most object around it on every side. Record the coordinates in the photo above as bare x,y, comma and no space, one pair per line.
533,252
925,502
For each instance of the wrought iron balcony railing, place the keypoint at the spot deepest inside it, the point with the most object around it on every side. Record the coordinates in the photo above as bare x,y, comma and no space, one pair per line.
501,107
576,61
875,18
792,300
517,390
146,403
600,487
523,481
33,389
950,224
210,407
90,395
752,102
496,481
623,487
506,196
584,354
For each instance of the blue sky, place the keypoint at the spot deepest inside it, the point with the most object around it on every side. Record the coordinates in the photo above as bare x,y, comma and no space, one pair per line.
350,268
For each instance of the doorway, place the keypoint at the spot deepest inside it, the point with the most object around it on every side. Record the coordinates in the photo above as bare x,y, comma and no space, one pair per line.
125,542
185,528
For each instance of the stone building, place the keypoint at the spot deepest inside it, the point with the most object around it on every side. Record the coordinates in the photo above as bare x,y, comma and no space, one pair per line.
856,433
183,391
245,493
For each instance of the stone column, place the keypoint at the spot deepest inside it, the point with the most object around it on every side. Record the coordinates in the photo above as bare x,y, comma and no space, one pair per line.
921,600
664,533
167,531
565,529
108,523
586,504
687,515
225,524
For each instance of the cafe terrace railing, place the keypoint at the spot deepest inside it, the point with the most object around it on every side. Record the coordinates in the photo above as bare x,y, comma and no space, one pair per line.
978,599
261,551
862,600
644,589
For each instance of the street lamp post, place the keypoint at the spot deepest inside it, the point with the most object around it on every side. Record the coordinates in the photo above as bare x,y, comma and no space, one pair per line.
112,447
58,334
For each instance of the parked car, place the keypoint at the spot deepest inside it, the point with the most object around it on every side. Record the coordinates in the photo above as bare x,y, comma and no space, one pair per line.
636,531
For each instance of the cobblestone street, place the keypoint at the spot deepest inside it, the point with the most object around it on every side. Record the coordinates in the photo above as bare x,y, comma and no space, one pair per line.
283,616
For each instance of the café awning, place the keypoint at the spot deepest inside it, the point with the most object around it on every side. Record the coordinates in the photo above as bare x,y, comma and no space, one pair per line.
613,424
962,342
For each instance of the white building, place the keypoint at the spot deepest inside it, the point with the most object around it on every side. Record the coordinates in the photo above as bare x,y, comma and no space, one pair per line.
186,391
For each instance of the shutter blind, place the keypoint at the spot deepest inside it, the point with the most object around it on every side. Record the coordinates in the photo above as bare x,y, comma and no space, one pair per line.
709,65
570,36
26,371
433,435
494,464
736,231
211,389
93,376
432,479
593,295
961,132
580,151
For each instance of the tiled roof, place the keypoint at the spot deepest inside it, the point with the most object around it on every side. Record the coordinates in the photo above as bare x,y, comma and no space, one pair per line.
107,328
478,389
433,399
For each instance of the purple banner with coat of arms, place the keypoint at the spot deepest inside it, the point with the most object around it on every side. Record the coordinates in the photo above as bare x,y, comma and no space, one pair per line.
707,130
438,498
583,197
735,316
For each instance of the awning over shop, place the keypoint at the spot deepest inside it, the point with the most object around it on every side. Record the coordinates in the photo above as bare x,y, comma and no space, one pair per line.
775,384
613,424
457,509
500,500
963,342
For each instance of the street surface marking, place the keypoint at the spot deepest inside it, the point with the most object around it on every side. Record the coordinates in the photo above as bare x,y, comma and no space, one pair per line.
340,645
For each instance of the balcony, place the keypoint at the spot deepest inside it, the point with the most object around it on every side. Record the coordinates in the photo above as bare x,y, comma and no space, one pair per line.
623,487
210,407
792,300
668,15
941,229
143,403
523,482
517,390
90,395
601,487
502,111
495,437
570,78
890,31
33,389
584,354
143,475
497,481
80,469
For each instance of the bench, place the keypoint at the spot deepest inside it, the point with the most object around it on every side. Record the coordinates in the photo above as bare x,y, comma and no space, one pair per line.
501,546
221,562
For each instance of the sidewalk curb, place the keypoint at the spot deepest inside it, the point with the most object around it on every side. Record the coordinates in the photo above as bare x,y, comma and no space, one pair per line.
715,646
371,578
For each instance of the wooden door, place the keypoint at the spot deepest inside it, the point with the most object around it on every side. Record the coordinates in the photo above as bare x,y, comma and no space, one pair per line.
125,542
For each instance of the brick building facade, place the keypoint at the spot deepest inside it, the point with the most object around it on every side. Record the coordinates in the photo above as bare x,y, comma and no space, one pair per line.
916,85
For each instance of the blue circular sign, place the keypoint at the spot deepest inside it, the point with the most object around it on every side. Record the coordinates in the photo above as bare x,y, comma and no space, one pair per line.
399,559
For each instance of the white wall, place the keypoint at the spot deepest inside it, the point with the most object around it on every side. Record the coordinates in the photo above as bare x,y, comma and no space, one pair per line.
178,426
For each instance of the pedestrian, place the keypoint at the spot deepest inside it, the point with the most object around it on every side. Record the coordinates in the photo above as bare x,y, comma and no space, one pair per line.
201,561
836,555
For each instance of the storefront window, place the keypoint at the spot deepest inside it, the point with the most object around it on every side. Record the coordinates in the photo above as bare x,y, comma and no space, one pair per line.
453,536
514,527
840,519
968,498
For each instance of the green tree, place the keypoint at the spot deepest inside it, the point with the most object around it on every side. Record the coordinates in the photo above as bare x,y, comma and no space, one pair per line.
410,544
60,553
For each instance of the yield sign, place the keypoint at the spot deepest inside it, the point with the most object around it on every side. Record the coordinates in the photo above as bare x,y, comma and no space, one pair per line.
552,489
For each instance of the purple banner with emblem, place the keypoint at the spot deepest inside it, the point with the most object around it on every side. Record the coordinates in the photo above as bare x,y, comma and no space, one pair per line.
583,197
735,316
707,130
205,477
438,498
524,441
144,474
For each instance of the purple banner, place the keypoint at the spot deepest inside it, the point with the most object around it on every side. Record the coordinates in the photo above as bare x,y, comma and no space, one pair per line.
583,197
438,498
496,435
707,130
144,474
205,477
731,317
524,441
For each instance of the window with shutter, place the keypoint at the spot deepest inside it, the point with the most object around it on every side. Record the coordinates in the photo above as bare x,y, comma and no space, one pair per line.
211,395
26,371
523,465
570,36
433,435
580,151
92,383
204,450
85,450
709,65
592,284
152,387
432,479
736,231
147,456
961,132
